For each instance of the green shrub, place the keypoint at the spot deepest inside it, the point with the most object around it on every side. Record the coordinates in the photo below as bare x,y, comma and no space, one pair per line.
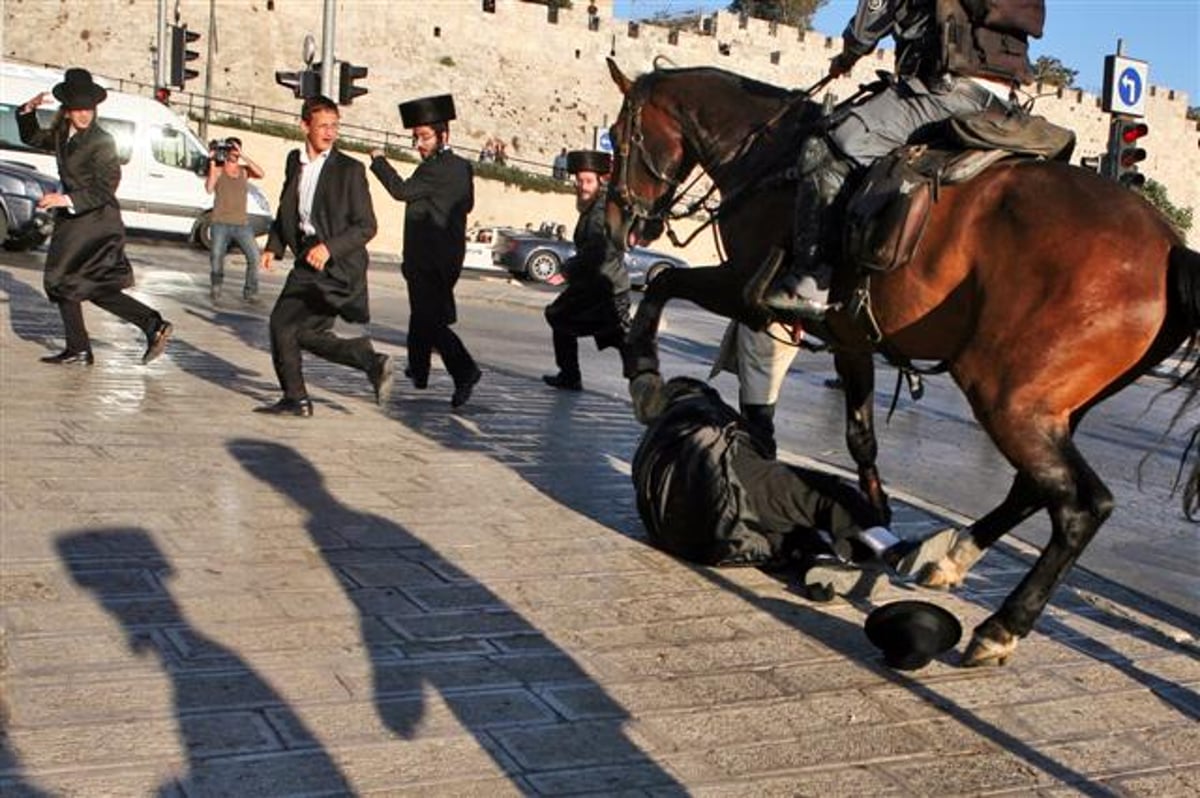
1156,194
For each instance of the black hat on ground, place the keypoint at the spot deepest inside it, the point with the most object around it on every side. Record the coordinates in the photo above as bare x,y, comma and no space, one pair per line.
427,110
589,161
911,633
78,90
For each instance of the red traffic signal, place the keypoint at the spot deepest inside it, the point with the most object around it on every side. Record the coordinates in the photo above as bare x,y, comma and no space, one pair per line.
1124,152
1132,131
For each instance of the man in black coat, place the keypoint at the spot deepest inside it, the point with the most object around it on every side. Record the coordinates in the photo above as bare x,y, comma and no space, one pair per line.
325,217
437,196
596,299
87,253
710,490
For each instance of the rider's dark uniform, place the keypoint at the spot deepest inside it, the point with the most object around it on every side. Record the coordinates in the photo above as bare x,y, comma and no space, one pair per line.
947,64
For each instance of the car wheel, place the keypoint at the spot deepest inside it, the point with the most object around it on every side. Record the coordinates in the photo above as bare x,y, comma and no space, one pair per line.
655,270
203,234
542,265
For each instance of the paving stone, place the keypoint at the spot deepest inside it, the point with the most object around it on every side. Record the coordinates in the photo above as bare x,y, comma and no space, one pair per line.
851,782
1180,782
593,701
575,745
971,773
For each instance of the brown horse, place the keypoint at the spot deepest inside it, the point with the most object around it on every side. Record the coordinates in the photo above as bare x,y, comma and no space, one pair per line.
1042,287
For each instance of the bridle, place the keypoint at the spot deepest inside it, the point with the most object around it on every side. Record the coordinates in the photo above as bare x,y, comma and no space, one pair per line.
633,143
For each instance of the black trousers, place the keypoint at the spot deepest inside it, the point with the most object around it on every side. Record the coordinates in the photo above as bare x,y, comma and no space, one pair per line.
117,303
426,336
785,497
305,322
566,355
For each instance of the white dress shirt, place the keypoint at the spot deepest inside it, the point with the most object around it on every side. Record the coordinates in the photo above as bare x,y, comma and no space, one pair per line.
309,175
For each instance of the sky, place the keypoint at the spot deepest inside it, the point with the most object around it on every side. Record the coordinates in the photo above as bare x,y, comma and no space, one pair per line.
1165,33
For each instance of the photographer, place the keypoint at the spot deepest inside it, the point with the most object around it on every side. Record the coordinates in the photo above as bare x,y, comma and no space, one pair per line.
229,172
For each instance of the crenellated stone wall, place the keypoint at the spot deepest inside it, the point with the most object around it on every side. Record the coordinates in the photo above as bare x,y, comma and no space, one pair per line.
538,85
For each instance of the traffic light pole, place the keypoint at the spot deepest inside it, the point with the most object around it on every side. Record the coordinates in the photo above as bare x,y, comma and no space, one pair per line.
329,70
160,47
208,68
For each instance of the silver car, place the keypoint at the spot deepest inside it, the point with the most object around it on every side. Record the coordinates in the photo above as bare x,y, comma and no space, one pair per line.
539,254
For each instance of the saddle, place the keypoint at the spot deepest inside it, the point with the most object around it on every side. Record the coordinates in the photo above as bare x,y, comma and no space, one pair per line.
887,214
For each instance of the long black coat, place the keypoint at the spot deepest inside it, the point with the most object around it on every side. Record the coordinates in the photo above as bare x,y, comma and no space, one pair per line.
87,252
438,195
345,221
596,299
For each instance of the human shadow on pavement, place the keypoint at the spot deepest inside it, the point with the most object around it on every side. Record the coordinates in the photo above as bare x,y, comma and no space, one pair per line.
574,447
32,317
12,783
849,640
105,562
223,373
426,624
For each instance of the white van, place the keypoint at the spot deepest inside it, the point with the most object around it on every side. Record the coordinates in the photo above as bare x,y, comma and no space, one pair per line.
163,163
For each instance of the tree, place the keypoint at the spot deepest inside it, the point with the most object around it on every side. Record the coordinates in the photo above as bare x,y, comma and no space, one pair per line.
798,13
1053,72
1193,113
1156,194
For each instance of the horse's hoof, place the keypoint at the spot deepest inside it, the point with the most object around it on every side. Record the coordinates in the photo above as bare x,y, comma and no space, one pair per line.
646,390
989,647
941,575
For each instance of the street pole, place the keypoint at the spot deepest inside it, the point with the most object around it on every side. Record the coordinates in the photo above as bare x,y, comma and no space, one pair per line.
208,68
328,68
160,47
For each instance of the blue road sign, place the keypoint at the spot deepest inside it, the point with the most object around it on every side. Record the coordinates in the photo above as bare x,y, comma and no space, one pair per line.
603,140
1129,86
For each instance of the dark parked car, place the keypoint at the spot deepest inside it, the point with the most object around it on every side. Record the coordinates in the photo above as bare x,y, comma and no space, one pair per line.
22,225
539,255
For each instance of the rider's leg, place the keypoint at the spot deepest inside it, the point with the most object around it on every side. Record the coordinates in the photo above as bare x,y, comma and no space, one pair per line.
801,294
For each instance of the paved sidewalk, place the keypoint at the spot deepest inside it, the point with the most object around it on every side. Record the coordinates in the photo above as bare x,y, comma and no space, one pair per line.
198,600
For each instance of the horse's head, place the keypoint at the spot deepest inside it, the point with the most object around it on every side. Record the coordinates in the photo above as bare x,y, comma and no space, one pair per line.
651,157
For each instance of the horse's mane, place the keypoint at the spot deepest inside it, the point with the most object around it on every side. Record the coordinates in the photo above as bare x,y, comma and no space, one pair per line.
648,81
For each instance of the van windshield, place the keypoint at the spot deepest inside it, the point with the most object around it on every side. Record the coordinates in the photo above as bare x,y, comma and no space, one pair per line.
10,135
173,147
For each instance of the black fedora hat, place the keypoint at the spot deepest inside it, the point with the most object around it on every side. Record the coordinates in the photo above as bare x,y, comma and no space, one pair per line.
78,90
589,161
427,110
911,633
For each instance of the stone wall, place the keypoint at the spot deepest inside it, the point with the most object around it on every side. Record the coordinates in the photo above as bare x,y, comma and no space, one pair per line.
539,86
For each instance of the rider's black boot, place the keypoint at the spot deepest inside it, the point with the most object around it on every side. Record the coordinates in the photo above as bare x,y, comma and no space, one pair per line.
800,294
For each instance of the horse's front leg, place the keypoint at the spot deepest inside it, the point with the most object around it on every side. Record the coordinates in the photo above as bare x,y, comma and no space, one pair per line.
857,370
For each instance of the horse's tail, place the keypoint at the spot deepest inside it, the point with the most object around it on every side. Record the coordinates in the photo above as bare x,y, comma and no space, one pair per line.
1184,274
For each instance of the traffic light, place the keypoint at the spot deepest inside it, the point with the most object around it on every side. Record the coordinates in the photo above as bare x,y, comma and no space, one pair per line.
181,37
347,74
1125,153
304,84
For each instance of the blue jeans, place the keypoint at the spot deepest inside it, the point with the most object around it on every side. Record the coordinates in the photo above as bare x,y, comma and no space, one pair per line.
243,236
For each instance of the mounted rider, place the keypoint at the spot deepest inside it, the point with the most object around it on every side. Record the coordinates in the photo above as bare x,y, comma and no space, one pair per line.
953,57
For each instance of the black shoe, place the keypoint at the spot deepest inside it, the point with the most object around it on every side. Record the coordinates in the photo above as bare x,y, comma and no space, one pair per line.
381,377
562,382
250,296
420,383
462,391
288,407
156,341
214,292
69,358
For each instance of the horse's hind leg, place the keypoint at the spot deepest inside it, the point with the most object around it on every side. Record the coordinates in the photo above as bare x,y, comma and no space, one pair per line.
1078,503
1022,501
